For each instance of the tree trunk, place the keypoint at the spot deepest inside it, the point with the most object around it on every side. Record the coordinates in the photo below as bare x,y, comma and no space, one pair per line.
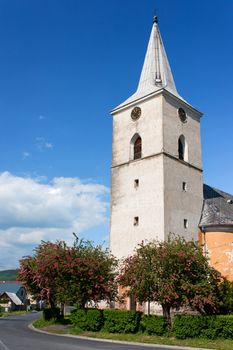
82,304
167,315
148,305
62,310
53,307
52,304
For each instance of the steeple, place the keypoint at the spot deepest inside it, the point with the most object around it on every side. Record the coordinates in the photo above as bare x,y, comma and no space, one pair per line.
156,72
156,184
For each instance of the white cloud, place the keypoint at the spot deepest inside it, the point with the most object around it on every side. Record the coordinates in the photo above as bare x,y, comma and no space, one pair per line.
26,154
42,144
48,145
32,211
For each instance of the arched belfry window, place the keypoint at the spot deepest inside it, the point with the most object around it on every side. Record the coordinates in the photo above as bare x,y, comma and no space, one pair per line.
137,149
182,148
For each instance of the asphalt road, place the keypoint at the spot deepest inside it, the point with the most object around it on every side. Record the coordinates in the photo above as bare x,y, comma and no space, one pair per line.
15,335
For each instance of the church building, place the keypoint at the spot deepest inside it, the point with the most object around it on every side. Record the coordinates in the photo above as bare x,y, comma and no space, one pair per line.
157,183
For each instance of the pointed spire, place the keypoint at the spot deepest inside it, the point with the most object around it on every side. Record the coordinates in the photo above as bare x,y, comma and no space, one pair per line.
156,72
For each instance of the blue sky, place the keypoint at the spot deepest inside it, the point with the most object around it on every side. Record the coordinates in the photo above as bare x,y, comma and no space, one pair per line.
64,64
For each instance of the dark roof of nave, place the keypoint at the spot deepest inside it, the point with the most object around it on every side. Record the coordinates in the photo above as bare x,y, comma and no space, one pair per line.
217,207
10,287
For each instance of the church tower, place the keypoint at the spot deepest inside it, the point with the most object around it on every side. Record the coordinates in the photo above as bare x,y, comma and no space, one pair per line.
157,185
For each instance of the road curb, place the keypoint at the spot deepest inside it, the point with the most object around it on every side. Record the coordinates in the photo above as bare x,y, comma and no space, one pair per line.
174,347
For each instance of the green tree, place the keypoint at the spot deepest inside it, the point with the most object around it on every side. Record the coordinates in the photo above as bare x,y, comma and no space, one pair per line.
42,273
78,274
89,274
173,273
226,296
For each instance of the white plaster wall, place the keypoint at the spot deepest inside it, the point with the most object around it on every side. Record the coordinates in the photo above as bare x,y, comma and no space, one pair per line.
179,204
146,202
173,128
148,126
159,201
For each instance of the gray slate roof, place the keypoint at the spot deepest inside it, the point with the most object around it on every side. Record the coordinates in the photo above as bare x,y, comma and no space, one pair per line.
10,287
216,207
13,297
156,72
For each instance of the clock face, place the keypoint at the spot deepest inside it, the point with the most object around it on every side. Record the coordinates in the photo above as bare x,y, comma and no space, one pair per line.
182,115
136,113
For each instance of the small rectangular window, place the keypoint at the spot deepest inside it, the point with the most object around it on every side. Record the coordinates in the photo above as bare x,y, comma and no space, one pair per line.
185,223
184,186
136,183
136,221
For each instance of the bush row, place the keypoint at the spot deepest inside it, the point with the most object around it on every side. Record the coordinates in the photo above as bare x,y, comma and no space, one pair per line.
112,321
211,327
48,314
124,321
117,321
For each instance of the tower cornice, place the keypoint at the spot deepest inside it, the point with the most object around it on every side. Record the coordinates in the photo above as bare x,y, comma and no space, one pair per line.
162,153
151,95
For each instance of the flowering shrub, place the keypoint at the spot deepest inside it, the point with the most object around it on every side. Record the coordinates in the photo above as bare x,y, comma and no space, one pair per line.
173,273
77,274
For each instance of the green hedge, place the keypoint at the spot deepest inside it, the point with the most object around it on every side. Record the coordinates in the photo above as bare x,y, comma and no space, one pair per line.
87,319
49,313
211,327
153,325
112,321
188,326
121,321
219,327
95,320
79,318
124,321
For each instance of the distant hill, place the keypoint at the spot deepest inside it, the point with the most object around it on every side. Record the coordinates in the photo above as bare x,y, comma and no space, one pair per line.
8,275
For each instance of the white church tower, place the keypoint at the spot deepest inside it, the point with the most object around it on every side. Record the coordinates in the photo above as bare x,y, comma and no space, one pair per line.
157,185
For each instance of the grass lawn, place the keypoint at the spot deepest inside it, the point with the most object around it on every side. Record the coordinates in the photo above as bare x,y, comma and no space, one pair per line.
58,328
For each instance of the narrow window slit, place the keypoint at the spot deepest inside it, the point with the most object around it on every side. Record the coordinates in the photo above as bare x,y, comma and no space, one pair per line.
185,223
136,221
136,183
